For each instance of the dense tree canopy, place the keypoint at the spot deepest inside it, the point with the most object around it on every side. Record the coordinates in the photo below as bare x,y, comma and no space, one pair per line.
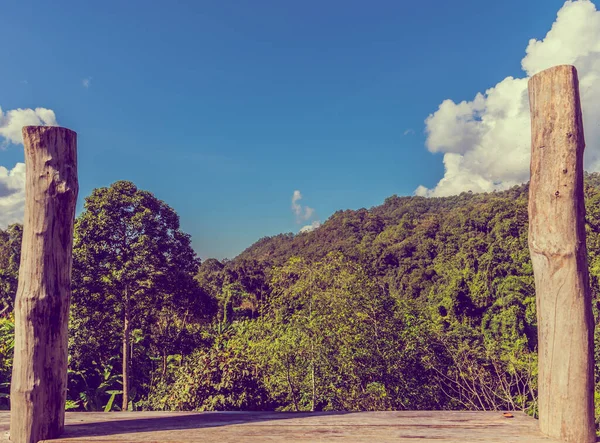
420,303
10,257
133,272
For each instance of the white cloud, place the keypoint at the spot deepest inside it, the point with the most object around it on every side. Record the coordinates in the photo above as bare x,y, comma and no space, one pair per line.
11,122
409,132
309,228
86,82
12,182
296,207
12,194
486,141
302,212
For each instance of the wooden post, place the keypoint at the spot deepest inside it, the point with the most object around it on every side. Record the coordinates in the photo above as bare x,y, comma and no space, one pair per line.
39,377
559,258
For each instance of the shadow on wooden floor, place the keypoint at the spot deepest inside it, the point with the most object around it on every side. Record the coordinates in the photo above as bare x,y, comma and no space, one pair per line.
300,427
93,425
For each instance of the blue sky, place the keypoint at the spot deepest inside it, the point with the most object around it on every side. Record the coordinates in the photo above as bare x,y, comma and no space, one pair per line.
224,109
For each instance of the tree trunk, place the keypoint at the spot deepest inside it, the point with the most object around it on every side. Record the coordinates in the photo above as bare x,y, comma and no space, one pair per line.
126,339
291,386
559,257
39,377
314,388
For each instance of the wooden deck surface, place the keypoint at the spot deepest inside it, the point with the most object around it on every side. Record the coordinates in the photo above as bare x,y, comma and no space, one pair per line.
241,427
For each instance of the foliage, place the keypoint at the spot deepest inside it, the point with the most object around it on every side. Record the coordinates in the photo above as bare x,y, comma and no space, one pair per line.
463,266
7,344
420,303
10,257
219,378
92,389
332,339
133,271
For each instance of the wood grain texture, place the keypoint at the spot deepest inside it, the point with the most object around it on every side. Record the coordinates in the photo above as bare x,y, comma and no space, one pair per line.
559,257
39,377
238,427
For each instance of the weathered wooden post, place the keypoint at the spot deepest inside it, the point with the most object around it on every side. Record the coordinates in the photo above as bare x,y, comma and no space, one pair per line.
39,377
559,257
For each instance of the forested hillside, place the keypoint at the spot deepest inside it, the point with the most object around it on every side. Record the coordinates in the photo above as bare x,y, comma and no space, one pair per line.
420,303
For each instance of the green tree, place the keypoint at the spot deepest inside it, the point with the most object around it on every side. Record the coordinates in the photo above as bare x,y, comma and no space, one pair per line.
220,377
7,344
131,262
332,339
10,257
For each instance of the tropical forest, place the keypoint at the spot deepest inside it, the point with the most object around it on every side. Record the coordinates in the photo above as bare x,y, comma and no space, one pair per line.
419,303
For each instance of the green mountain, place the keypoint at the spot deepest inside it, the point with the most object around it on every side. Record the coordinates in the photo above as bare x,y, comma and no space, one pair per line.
419,303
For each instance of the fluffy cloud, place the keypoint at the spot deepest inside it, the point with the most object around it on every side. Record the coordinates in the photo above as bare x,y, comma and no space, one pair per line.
11,122
486,141
12,182
12,194
303,213
309,228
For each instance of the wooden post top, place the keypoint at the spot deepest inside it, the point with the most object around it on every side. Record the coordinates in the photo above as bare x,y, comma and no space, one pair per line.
32,129
555,68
